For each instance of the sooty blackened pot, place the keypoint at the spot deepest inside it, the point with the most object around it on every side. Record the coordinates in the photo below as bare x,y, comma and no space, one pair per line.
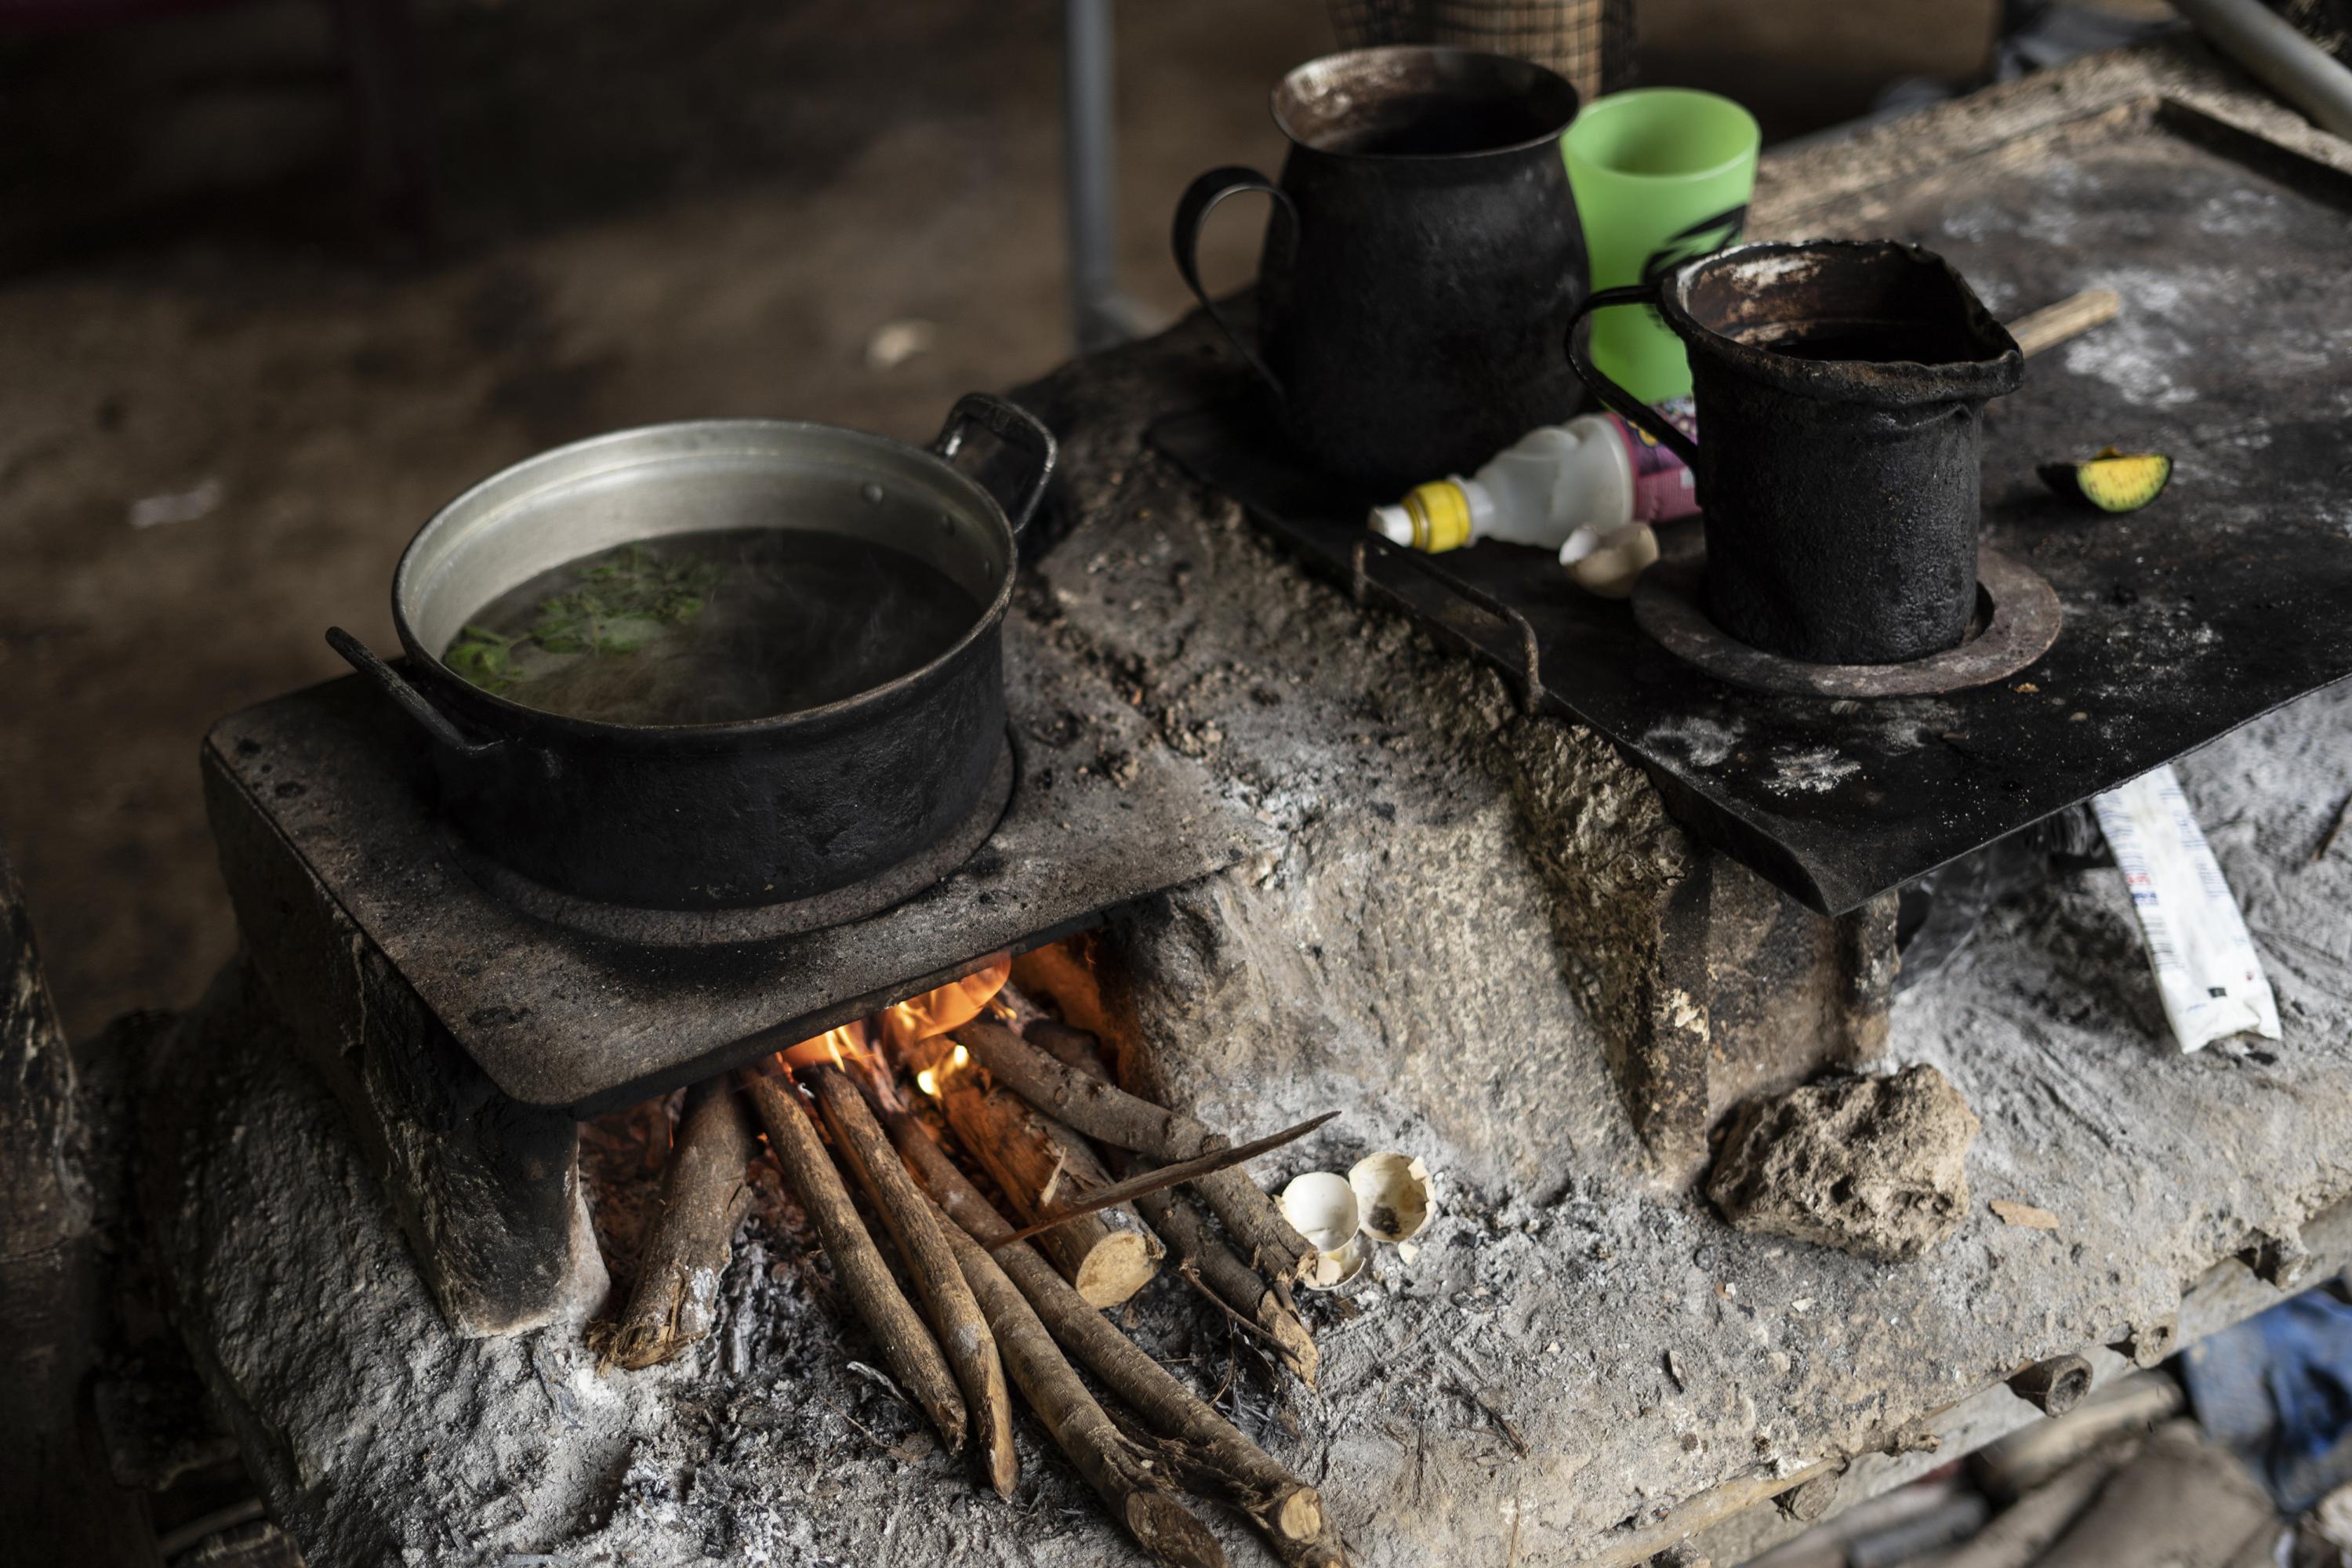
1840,388
710,816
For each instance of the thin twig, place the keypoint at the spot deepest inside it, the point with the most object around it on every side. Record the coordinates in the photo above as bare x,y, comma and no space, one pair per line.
1104,1111
2335,831
1160,1178
855,1422
1503,1423
1191,1276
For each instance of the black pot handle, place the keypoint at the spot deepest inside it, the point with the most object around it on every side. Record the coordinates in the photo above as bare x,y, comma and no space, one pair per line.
1017,428
419,706
1199,199
1616,398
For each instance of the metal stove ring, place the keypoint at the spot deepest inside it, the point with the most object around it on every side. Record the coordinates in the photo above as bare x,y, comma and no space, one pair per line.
2018,612
642,927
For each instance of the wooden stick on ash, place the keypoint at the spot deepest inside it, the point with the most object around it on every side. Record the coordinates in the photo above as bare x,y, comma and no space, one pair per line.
1119,1473
1218,1459
1201,1256
1032,1159
1104,1111
704,1198
907,1347
955,1316
2069,318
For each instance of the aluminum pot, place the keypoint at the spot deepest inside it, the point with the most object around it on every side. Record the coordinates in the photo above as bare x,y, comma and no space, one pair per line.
728,815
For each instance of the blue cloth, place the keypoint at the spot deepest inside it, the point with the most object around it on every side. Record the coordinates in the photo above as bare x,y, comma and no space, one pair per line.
2277,1388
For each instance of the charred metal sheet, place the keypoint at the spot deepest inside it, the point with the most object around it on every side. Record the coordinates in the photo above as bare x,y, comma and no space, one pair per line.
328,779
2017,619
2226,599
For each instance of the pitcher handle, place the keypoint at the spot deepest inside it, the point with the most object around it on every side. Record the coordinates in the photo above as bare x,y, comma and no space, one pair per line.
1199,199
1614,396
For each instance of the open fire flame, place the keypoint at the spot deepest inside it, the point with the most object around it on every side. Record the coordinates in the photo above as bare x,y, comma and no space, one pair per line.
840,1046
922,1018
904,1026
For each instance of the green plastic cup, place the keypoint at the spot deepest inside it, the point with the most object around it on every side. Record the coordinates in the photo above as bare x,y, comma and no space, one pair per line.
1661,175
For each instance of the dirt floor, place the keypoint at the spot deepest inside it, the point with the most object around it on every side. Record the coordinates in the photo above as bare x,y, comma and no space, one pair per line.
642,213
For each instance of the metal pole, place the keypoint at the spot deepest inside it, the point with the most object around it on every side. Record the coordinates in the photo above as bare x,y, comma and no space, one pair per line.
1099,315
2270,49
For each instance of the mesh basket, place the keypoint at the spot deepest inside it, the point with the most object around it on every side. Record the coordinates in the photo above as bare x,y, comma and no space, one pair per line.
1590,42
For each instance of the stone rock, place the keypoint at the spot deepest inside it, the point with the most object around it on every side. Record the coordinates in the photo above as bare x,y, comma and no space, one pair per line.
1873,1165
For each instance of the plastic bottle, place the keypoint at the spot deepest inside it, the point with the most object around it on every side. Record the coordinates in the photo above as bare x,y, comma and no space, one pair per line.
1592,475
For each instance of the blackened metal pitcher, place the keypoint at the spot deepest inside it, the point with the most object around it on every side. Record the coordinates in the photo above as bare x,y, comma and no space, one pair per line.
1422,263
1841,387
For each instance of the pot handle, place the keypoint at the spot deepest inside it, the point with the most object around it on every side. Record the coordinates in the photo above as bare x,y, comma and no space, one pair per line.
1199,199
1614,396
1017,428
435,723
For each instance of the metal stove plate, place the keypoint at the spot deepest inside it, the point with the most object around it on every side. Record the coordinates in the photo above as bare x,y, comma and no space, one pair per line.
1670,605
331,775
757,923
2231,595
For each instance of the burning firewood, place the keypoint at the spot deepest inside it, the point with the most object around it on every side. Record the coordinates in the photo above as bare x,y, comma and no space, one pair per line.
1201,1257
704,1198
913,1356
1120,1473
1035,1160
1104,1111
1213,1456
955,1314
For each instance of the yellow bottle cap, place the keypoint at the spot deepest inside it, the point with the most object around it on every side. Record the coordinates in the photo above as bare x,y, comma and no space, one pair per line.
1441,516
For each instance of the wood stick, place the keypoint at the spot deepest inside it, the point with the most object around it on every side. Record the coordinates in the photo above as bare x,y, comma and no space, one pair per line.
2069,318
2022,1532
955,1316
1216,1456
1035,1160
908,1348
2182,1501
1095,1106
1201,1257
1197,1472
673,1302
1102,1111
1157,1178
2012,1466
2054,1387
1077,1049
1079,1427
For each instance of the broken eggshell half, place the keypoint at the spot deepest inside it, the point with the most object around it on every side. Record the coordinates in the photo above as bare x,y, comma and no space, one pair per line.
1333,1270
1321,1206
1392,1199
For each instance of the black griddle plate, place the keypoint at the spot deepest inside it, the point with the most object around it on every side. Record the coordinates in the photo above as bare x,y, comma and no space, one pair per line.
2231,595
